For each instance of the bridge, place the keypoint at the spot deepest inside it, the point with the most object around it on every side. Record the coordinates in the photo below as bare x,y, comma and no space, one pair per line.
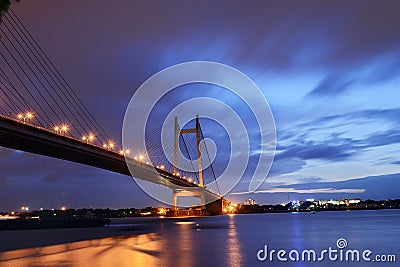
29,81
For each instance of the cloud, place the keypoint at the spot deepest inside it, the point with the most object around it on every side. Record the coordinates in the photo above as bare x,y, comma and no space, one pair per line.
304,191
382,68
346,46
333,84
374,187
385,138
318,150
286,165
339,137
3,180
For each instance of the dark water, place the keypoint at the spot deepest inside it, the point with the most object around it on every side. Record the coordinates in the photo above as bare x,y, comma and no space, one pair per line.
212,241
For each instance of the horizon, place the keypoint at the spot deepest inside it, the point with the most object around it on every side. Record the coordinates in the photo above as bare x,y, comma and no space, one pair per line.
62,208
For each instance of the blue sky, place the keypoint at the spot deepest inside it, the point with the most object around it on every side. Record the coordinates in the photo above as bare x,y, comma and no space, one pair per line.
329,70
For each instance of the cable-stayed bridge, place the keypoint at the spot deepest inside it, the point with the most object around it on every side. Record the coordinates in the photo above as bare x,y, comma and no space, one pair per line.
40,113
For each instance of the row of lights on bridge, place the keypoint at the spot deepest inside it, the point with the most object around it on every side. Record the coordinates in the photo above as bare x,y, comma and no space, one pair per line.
25,117
64,128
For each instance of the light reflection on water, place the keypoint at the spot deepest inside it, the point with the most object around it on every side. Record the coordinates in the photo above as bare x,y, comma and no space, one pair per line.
139,250
211,241
234,255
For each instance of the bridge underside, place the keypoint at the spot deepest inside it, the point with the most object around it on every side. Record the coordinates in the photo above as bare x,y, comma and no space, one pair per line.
37,140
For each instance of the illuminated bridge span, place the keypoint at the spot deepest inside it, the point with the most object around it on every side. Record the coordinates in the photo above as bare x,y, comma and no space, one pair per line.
41,114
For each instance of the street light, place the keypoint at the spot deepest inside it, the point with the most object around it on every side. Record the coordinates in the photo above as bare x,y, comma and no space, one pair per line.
27,116
88,138
111,145
125,152
63,129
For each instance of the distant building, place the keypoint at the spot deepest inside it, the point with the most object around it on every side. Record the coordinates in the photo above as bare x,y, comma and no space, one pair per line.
339,202
354,200
250,202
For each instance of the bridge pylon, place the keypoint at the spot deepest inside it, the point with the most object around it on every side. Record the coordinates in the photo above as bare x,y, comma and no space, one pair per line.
195,192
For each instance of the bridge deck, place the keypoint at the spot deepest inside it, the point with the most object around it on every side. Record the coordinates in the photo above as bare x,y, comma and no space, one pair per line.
39,140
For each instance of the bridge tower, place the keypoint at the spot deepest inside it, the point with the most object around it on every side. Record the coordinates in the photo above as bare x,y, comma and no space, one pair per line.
196,192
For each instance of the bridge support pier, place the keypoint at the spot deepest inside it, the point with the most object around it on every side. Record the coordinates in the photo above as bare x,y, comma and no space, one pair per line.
195,192
215,207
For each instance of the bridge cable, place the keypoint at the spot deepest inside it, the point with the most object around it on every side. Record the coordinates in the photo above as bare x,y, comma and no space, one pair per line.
60,78
44,76
29,79
31,47
41,83
16,95
191,162
209,159
21,99
14,106
52,97
10,100
19,78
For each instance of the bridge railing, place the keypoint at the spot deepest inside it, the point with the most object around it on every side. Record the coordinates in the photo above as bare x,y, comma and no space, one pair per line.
160,169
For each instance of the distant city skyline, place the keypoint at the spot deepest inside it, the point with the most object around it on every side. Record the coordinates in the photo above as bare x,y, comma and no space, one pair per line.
330,72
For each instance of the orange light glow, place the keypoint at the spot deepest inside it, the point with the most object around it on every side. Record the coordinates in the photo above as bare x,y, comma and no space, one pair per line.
65,128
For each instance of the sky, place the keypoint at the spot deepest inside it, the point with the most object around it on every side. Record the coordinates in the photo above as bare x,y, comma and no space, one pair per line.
330,72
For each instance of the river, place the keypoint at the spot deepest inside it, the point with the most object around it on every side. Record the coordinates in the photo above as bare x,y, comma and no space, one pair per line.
235,240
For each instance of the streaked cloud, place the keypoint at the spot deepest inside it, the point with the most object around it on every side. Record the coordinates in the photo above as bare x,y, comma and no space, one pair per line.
330,70
304,191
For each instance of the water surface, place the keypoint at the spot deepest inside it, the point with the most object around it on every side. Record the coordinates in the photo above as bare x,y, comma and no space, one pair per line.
210,241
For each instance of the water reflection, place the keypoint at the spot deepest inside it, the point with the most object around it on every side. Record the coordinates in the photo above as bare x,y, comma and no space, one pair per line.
166,245
113,251
233,246
211,241
297,239
181,252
